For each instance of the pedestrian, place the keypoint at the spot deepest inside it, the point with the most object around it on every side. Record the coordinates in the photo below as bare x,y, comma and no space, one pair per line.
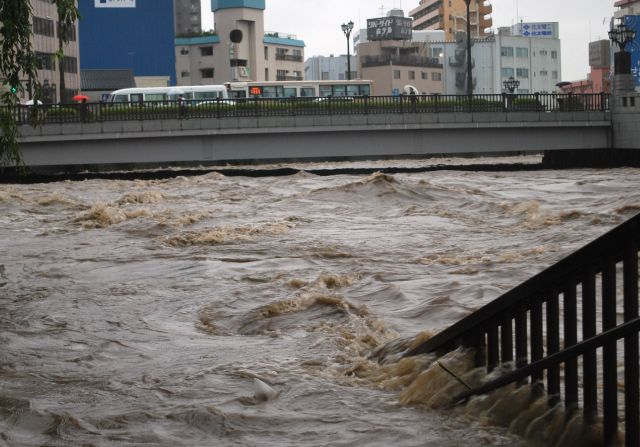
182,107
413,99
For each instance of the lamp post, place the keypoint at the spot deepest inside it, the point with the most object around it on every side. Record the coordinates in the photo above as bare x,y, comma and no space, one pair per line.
346,29
469,68
510,84
622,35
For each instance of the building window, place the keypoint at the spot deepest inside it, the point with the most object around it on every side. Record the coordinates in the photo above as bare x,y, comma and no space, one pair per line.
184,51
297,53
43,27
522,52
70,64
396,74
206,73
266,53
45,61
436,76
554,74
544,73
506,51
542,52
206,51
281,51
281,75
266,72
554,55
324,76
507,72
71,33
185,74
522,72
412,75
424,75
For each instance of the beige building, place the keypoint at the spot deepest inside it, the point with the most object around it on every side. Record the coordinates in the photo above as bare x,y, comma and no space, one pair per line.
394,64
451,16
238,49
45,44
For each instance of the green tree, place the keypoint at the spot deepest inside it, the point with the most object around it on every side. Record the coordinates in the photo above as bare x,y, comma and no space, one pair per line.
19,65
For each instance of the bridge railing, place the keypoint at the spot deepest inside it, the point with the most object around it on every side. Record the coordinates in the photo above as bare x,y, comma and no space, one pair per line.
525,325
266,107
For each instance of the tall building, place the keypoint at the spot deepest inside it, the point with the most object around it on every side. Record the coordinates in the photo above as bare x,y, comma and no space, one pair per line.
451,17
329,68
627,8
129,34
600,68
238,49
46,43
187,17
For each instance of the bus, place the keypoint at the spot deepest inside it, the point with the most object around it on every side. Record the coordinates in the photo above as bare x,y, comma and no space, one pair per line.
191,93
298,89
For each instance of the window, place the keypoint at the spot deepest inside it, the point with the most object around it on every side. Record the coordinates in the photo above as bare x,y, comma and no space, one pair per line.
297,53
43,27
554,55
507,72
266,53
436,76
184,51
506,51
281,75
522,72
307,91
206,73
281,51
70,64
544,73
45,61
412,75
206,51
522,52
185,74
424,75
324,76
266,74
542,52
554,75
396,74
71,33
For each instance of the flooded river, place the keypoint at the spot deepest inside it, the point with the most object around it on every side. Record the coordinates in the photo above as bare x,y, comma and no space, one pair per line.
239,311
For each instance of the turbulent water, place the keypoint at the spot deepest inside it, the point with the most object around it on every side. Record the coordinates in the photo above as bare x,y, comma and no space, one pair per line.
237,311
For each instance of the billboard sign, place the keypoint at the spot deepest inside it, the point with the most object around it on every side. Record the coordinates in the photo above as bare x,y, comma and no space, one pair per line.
389,28
600,54
633,47
537,29
115,3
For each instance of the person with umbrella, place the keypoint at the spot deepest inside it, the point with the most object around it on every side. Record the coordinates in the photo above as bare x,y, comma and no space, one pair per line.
82,106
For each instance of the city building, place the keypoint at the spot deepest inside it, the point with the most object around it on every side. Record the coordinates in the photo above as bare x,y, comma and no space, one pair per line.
60,80
187,17
238,49
329,68
531,57
388,55
627,8
129,34
598,79
451,17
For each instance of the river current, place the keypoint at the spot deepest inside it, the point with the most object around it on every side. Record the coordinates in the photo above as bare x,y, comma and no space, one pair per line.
240,311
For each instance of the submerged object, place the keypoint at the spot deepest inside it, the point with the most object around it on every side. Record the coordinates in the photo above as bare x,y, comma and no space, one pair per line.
262,392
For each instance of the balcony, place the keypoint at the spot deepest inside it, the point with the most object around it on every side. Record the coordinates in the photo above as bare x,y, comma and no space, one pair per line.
405,60
288,57
485,9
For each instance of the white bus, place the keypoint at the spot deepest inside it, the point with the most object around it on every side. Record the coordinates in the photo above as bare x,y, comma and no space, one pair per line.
298,89
191,93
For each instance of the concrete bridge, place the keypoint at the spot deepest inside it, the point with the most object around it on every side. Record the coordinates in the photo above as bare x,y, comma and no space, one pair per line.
76,146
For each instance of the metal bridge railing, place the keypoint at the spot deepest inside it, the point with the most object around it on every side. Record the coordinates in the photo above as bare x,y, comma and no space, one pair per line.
525,326
268,107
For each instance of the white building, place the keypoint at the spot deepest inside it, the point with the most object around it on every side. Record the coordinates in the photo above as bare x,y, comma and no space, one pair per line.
334,68
529,52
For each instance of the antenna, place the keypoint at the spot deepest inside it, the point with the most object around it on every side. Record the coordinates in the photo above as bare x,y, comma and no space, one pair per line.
381,10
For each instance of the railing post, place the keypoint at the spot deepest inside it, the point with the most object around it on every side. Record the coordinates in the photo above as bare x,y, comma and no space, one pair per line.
631,366
521,337
553,345
609,356
537,342
506,338
589,360
493,348
570,339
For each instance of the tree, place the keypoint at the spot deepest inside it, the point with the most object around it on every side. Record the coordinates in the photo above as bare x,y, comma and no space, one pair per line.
19,66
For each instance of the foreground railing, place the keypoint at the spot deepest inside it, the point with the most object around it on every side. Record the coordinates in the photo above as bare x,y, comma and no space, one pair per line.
532,317
267,107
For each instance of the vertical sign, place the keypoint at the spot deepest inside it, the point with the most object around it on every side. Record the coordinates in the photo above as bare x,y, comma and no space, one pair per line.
633,22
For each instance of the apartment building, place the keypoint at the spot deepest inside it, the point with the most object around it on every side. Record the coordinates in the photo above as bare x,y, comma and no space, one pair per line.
187,17
627,8
238,49
451,17
60,79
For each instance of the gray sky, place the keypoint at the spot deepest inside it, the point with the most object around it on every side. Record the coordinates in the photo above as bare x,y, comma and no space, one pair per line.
317,22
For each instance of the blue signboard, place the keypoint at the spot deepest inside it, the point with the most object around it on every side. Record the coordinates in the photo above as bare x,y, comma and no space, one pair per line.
536,29
633,47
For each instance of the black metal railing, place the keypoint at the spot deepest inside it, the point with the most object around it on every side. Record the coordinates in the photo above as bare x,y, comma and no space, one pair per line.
343,105
525,326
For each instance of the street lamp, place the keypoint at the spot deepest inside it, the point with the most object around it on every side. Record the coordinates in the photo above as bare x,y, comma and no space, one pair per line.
346,29
622,35
511,84
469,68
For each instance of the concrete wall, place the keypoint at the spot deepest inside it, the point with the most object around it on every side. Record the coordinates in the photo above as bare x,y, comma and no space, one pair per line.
309,137
625,119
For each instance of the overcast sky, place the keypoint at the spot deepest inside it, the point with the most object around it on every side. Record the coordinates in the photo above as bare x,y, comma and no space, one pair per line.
317,22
